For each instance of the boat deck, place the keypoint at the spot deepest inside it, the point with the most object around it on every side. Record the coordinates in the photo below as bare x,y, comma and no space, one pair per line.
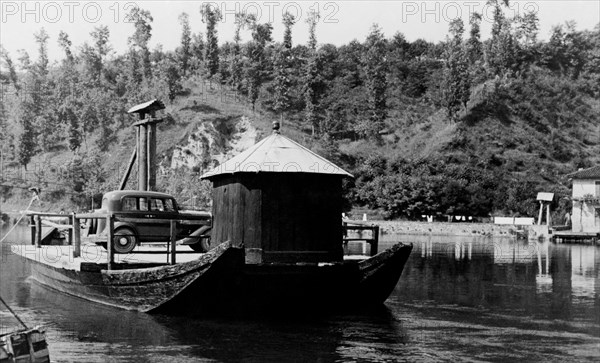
62,256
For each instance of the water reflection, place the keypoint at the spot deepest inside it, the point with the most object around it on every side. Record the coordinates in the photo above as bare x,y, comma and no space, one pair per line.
521,278
458,299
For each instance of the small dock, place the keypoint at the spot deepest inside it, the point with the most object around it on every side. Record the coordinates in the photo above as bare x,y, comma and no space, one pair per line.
575,237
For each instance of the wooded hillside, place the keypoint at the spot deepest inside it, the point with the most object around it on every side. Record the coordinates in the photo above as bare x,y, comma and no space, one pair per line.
464,126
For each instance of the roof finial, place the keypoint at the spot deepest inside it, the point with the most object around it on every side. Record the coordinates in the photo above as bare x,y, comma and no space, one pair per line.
275,127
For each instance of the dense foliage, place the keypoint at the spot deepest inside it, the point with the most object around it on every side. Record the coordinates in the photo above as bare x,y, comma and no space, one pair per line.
462,127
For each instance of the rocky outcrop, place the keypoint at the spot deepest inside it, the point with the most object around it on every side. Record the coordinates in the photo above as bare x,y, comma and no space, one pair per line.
213,142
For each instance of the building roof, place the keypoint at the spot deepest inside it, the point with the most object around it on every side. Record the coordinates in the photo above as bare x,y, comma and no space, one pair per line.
276,153
118,194
589,173
146,107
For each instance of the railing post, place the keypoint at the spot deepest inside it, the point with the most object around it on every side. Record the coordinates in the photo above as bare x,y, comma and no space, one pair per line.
32,226
375,243
38,231
70,231
173,240
109,241
76,236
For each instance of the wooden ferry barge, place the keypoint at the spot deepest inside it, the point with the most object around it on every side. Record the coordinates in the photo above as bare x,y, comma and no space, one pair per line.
277,244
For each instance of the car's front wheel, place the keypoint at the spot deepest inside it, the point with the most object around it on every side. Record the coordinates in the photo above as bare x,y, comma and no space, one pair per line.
124,240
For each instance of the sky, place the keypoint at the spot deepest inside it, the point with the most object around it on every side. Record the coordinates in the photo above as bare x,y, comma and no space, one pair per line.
340,22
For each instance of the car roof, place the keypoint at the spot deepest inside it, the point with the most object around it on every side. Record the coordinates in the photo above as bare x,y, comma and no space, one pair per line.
118,194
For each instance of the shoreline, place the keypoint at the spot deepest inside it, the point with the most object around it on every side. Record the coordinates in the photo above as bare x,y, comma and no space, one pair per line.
446,228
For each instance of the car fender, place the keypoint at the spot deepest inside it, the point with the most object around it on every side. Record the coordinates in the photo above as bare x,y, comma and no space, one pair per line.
193,238
128,225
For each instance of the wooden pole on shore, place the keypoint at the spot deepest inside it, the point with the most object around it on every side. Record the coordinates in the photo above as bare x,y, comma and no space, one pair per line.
76,236
110,224
142,158
173,241
151,169
129,168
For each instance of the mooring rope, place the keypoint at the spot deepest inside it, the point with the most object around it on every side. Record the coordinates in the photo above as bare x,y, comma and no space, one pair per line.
35,197
14,314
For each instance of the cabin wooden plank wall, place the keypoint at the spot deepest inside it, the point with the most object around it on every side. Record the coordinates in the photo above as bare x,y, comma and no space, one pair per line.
280,217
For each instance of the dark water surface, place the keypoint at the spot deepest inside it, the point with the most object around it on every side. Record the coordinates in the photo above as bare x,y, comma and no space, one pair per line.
459,299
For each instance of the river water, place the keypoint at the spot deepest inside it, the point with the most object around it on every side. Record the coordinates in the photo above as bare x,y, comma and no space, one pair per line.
459,299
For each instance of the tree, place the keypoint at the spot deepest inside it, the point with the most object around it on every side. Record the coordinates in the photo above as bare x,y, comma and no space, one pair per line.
26,145
565,52
526,40
375,69
140,38
74,129
100,35
474,46
197,52
41,37
456,84
501,52
65,43
282,68
169,76
288,21
235,64
312,20
133,73
211,16
256,68
3,126
184,51
92,63
12,72
312,74
283,82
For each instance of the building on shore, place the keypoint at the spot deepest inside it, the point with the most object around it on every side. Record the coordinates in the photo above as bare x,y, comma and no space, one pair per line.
585,216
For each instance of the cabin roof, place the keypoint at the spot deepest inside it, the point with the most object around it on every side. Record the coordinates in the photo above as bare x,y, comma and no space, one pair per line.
589,173
276,153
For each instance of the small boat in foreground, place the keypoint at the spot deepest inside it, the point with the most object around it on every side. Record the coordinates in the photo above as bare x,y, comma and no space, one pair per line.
26,345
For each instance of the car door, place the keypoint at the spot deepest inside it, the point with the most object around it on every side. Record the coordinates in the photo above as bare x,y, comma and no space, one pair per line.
160,228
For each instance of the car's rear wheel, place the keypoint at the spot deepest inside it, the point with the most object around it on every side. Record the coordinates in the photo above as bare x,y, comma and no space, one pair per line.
124,240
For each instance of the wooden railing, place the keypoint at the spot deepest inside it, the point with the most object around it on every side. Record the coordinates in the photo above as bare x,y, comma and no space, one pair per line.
74,232
360,226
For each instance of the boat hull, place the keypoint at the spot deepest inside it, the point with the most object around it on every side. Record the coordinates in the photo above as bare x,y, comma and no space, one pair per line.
220,282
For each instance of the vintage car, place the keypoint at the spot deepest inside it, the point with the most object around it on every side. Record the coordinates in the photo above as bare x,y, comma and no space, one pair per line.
143,216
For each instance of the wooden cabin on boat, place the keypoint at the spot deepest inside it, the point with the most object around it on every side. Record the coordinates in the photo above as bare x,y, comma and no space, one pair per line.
585,216
281,200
